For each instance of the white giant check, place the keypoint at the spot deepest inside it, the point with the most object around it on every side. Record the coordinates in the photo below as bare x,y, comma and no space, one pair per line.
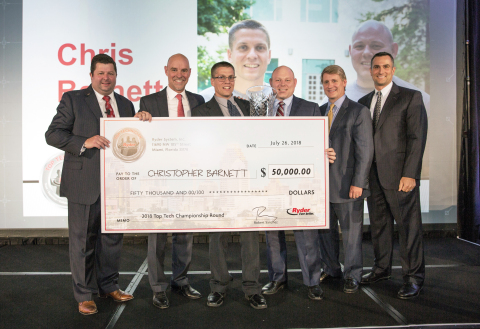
214,174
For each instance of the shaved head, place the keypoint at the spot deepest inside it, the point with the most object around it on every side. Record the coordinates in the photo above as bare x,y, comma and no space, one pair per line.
178,56
376,26
178,72
369,38
283,67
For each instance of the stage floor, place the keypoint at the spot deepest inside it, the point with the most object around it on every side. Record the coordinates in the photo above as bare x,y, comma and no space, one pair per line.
36,292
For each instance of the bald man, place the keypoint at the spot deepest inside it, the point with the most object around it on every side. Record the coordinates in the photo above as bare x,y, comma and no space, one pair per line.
173,101
369,38
308,246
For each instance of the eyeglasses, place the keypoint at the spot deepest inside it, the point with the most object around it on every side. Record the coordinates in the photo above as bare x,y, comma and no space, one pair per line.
222,78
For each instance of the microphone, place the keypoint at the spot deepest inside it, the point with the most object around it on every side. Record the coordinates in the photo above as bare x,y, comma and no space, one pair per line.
107,111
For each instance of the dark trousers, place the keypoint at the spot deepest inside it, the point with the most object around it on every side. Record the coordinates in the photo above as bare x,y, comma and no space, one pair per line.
276,256
93,255
182,244
350,216
308,248
385,206
250,262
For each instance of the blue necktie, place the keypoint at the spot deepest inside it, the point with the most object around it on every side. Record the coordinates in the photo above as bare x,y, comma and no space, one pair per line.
232,109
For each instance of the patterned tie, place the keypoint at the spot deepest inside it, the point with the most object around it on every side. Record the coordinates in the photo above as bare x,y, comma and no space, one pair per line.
108,107
280,112
180,112
378,109
330,117
232,109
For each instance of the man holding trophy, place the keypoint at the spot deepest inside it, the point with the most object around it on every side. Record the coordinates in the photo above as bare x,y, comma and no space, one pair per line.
225,104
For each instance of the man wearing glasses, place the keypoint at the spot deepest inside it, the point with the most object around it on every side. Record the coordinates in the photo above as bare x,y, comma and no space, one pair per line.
225,104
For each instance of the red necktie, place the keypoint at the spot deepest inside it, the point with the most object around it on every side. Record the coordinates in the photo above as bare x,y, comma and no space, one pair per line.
108,107
280,109
180,112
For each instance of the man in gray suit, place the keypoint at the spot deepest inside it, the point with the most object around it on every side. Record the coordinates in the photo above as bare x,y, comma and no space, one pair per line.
283,80
400,133
351,137
172,101
75,129
224,104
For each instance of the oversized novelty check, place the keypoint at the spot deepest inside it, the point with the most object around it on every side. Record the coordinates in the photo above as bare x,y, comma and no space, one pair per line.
214,174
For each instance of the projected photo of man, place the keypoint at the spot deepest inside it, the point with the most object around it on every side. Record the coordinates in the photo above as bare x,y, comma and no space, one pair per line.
249,53
369,38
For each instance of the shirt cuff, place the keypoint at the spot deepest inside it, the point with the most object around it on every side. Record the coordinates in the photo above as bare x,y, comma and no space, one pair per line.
82,149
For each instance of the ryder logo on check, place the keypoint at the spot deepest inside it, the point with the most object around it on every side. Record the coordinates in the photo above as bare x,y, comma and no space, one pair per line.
128,144
299,211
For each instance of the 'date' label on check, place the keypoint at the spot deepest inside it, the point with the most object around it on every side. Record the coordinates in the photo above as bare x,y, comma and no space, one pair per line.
214,174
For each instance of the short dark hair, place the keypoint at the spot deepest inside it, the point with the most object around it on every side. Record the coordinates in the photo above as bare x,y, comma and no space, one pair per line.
246,24
103,59
334,69
220,64
381,54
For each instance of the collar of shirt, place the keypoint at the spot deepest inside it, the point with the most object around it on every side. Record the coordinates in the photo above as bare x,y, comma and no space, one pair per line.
287,107
172,102
101,102
338,104
385,92
223,102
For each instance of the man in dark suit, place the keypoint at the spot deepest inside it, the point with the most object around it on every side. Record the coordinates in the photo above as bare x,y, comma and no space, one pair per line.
283,80
75,129
400,134
350,134
172,101
224,104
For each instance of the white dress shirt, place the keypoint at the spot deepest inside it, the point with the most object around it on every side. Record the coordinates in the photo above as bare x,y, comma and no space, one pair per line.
102,103
287,107
385,91
172,101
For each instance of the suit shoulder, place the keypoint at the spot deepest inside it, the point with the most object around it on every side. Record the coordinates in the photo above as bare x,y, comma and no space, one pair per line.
150,97
193,94
364,99
76,93
239,100
200,110
304,102
356,105
123,98
409,91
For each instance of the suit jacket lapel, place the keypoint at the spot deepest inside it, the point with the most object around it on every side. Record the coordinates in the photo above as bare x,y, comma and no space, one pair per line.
245,109
192,101
323,109
92,102
388,106
295,106
122,109
214,108
369,99
162,102
339,116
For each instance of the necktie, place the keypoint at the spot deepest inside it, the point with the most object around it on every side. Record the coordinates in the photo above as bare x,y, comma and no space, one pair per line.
330,116
378,109
280,112
108,107
180,112
232,109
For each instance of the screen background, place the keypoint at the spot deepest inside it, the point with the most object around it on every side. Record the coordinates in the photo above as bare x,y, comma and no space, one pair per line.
305,34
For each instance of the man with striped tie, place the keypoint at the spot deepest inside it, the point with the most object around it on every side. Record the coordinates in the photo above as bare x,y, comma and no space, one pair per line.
283,80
